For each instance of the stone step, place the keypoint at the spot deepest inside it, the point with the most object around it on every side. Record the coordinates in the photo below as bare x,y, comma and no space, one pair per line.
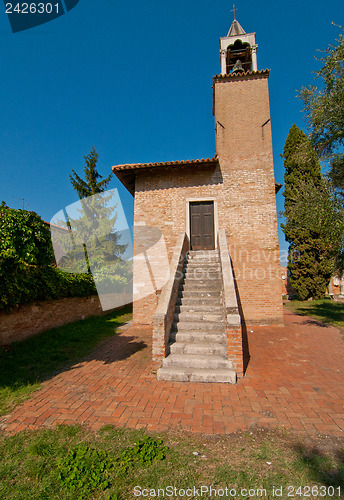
197,278
206,258
211,266
197,262
198,326
200,286
197,336
197,300
203,258
199,316
199,348
216,308
180,374
202,278
209,297
198,253
197,361
201,263
199,294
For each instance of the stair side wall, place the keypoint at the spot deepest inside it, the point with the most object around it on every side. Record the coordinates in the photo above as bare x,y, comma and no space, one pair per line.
235,348
163,317
233,321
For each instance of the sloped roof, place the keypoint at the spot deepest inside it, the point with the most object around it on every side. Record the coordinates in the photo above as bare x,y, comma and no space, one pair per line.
130,166
236,29
126,172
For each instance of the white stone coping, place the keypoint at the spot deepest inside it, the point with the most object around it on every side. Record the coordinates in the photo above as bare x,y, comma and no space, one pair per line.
230,298
175,269
233,320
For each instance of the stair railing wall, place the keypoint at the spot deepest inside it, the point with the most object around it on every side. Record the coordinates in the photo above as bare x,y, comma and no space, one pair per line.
230,302
163,317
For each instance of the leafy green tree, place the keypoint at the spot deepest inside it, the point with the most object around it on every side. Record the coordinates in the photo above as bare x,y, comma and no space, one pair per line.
324,108
24,239
26,257
314,218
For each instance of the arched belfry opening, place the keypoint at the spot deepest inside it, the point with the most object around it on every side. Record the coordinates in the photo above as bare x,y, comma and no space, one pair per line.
238,51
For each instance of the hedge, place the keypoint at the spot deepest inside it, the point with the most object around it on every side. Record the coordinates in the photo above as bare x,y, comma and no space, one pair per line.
35,284
26,256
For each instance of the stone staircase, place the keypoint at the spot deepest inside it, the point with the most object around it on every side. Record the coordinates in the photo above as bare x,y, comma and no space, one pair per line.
198,343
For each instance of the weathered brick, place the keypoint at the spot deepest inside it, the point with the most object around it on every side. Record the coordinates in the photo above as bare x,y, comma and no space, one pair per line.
29,320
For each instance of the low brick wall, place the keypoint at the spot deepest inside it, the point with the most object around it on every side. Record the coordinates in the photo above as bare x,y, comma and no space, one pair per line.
163,317
29,320
233,320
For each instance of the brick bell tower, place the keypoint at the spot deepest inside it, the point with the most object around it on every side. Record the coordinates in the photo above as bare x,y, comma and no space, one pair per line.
244,150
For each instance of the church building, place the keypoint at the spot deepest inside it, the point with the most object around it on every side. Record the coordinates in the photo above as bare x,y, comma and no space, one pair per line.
215,217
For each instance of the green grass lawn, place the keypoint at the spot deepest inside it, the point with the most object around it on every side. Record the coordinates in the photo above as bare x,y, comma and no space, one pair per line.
71,462
325,310
24,365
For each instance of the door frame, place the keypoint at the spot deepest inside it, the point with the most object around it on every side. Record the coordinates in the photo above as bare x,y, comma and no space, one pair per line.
216,219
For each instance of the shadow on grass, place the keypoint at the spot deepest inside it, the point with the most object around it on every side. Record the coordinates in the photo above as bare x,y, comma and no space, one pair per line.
325,311
321,468
31,361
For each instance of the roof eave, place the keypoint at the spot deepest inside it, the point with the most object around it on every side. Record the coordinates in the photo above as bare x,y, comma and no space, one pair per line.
126,173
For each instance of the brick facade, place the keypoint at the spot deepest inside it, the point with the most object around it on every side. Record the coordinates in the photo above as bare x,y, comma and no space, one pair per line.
240,181
161,201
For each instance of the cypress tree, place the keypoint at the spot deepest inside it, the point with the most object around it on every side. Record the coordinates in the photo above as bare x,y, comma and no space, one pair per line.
310,218
300,163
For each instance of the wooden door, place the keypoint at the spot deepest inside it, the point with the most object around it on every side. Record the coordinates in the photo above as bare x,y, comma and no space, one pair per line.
202,235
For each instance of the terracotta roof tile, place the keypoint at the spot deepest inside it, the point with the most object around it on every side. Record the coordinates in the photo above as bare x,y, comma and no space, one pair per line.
132,166
246,73
126,173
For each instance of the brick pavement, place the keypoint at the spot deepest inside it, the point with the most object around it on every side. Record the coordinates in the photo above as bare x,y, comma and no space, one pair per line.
295,379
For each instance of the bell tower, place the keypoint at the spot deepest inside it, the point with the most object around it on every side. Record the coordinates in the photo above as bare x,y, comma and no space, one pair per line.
244,151
238,46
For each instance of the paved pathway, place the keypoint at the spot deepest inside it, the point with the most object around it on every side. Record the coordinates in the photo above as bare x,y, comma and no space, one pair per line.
295,379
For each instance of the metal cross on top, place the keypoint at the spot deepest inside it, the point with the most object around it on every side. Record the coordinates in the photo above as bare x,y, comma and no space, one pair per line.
234,9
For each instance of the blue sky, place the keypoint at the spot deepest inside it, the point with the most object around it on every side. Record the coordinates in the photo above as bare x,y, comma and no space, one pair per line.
134,80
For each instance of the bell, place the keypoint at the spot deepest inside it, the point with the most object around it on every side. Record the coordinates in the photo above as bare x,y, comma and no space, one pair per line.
237,66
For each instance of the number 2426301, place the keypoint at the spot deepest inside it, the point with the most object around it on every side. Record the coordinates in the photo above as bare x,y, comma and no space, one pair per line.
32,8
